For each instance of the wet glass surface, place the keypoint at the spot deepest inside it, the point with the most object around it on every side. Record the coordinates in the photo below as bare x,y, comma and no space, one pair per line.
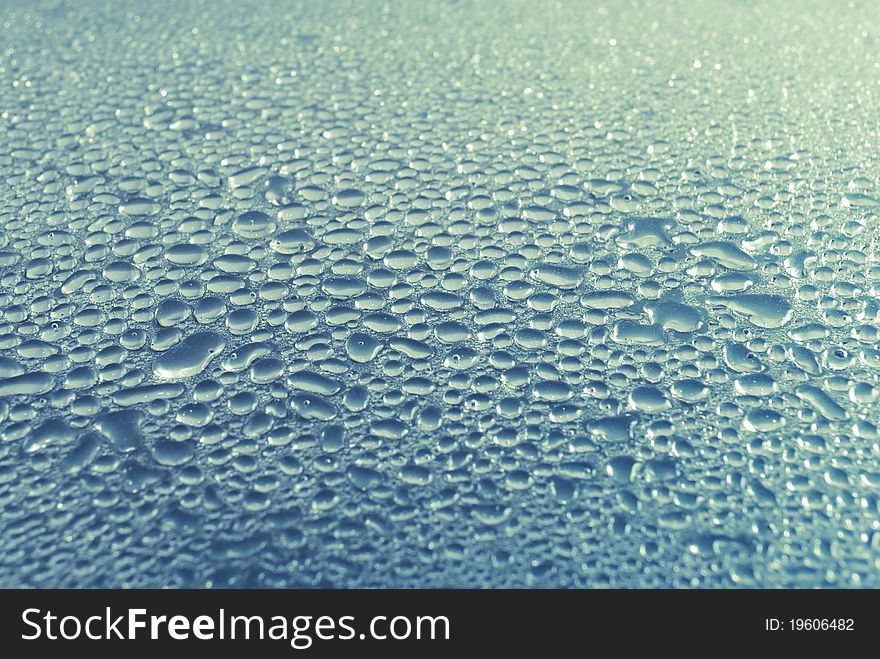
469,294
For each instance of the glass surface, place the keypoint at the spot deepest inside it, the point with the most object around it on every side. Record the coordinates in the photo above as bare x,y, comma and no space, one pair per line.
421,294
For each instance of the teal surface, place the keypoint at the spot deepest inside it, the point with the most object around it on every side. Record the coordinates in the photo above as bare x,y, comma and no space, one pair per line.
422,294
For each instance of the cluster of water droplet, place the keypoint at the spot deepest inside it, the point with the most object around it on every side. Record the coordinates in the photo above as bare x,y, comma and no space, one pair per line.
437,294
